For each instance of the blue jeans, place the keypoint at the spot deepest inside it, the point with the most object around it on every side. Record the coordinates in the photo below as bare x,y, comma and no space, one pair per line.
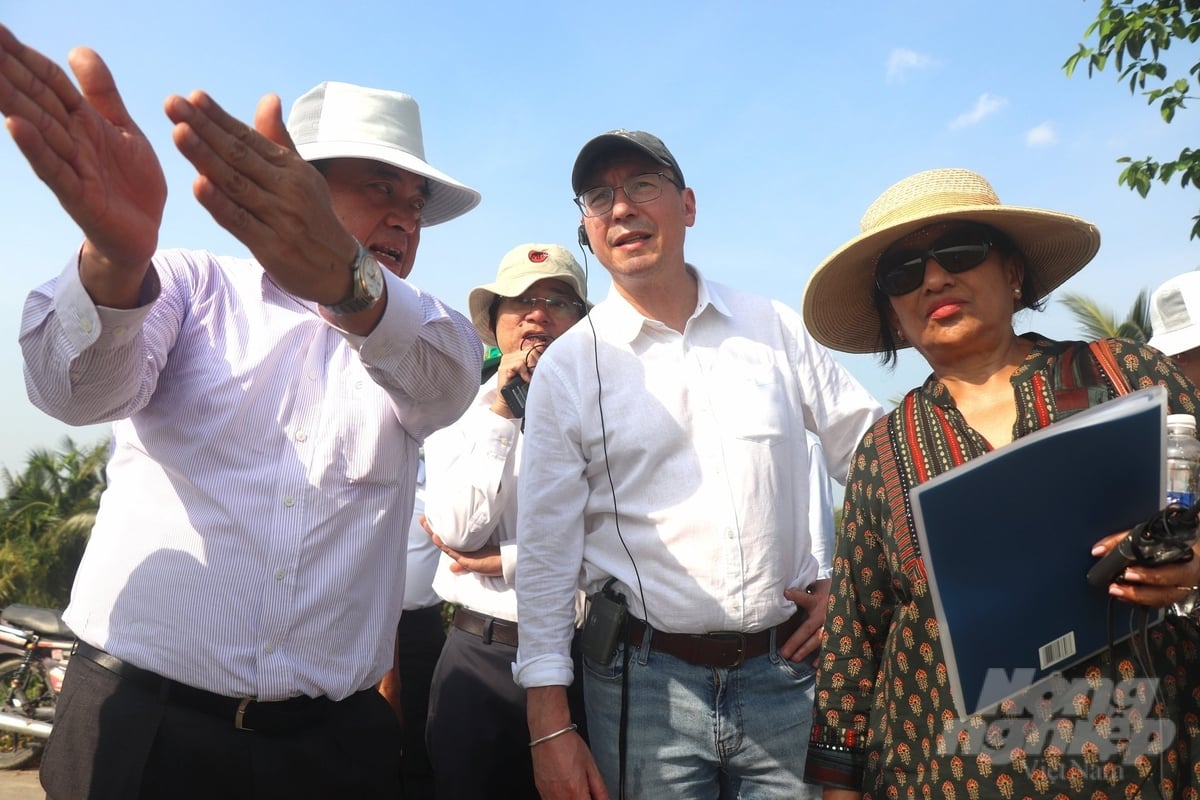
702,732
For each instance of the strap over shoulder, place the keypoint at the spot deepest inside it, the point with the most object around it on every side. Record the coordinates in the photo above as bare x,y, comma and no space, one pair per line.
1082,382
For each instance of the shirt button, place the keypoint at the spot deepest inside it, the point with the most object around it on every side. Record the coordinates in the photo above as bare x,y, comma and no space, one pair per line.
280,574
312,375
269,649
289,501
86,325
301,436
729,533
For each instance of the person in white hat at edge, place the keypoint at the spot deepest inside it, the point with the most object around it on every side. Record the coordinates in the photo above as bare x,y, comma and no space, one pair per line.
266,413
1175,322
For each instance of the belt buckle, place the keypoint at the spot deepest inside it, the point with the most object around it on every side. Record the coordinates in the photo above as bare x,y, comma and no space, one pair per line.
239,717
741,646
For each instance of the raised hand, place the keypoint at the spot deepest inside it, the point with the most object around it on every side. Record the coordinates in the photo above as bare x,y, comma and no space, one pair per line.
258,188
85,147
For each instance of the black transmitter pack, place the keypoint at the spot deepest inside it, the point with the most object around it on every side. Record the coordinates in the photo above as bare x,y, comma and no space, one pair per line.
514,393
605,622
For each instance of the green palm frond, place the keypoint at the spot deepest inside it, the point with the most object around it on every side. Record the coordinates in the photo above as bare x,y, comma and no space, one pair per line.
1097,322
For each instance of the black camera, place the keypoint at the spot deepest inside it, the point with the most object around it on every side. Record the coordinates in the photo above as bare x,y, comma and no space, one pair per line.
1166,537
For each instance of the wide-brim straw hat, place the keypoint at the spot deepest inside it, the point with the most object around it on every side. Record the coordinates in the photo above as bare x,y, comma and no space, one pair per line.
522,267
839,307
342,120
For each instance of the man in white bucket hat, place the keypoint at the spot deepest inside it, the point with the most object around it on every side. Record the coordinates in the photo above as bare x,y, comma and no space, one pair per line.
267,414
1175,322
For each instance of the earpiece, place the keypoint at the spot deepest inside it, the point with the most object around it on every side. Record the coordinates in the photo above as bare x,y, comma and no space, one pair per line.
583,237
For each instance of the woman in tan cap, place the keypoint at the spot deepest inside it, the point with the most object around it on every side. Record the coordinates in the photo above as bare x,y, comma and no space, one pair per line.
942,266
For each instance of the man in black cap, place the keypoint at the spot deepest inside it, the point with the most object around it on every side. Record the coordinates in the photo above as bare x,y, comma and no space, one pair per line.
672,473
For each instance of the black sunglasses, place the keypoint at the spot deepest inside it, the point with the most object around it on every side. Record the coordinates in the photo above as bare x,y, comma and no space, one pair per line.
903,271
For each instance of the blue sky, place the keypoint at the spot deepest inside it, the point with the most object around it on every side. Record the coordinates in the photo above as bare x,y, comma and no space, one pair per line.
788,119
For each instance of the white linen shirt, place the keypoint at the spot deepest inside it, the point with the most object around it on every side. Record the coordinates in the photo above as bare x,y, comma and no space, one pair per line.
708,461
423,555
471,501
251,539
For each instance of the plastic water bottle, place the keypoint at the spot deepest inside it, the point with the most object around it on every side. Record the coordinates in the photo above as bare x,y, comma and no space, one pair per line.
1183,460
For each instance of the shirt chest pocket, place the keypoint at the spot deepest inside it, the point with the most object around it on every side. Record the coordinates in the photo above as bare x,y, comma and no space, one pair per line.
751,404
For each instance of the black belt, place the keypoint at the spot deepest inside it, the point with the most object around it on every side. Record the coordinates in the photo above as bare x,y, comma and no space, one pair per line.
490,629
244,713
715,649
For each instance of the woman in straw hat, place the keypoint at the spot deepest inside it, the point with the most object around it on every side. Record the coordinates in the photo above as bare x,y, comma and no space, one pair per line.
942,266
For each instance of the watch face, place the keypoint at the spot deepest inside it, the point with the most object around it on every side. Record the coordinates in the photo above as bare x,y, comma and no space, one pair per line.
370,277
367,278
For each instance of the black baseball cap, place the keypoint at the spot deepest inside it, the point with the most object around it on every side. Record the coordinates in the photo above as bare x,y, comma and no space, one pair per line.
621,139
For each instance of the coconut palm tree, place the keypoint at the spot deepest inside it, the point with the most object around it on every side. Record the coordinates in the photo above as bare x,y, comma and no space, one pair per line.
46,516
1100,323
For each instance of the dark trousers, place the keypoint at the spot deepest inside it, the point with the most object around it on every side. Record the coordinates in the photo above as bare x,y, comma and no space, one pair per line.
477,733
115,739
419,638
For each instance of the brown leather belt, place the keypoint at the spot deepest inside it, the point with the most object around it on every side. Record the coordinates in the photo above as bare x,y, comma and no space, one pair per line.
490,629
722,649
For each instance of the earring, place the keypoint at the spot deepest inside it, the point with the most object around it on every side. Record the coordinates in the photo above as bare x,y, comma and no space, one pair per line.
1017,292
899,334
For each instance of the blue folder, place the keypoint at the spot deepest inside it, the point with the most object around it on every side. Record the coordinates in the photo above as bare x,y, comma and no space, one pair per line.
1006,541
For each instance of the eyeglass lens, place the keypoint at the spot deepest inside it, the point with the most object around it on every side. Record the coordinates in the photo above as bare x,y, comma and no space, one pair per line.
554,306
639,189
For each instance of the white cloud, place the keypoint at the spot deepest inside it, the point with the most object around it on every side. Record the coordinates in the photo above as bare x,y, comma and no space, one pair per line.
1043,135
901,62
985,106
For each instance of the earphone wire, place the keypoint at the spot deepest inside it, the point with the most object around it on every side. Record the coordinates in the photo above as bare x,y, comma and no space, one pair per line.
623,725
612,487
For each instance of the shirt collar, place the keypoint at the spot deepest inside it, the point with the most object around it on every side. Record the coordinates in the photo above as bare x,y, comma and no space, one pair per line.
626,322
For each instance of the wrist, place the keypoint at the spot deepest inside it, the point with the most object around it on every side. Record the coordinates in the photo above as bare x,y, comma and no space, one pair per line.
500,408
547,710
366,285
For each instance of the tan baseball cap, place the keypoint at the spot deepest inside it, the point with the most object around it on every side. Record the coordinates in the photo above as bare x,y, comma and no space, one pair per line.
522,267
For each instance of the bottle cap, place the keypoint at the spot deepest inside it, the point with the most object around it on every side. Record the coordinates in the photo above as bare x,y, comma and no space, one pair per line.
1186,420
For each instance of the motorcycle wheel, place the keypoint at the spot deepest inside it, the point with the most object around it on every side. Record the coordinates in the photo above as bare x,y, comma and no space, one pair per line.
19,750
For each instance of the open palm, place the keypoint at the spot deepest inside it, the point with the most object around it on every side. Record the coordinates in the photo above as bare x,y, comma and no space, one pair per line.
86,148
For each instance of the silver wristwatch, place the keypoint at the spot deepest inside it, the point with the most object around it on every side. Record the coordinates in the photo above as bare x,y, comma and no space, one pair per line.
367,278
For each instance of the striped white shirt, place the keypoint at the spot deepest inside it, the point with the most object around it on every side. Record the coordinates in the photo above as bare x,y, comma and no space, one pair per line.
252,537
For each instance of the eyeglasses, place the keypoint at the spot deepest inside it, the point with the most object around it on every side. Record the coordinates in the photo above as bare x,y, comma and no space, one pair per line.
903,271
639,189
554,306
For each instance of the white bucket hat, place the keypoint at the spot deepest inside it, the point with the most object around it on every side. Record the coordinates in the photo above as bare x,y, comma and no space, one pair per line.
1175,314
522,267
839,305
341,120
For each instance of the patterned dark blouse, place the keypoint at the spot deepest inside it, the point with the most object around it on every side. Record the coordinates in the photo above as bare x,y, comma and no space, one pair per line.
885,721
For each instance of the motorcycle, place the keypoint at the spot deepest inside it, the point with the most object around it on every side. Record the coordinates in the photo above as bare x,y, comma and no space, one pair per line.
35,646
